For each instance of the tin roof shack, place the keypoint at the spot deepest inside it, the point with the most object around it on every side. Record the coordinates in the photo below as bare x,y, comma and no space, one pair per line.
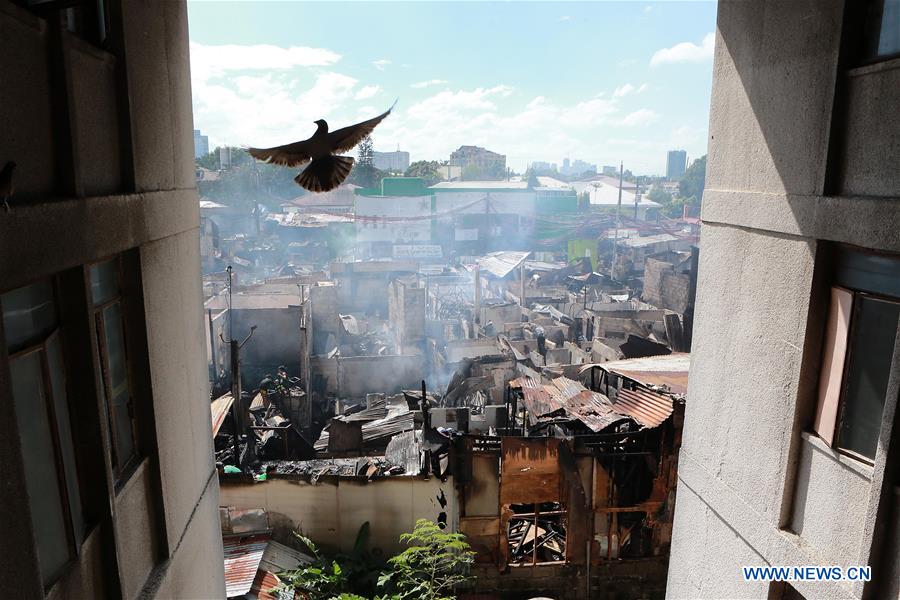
632,252
669,280
588,515
252,557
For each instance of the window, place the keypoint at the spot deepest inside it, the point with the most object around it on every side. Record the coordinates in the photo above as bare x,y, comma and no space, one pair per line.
882,29
32,334
112,359
537,533
85,18
864,311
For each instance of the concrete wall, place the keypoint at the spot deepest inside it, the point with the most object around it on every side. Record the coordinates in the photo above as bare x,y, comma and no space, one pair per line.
755,488
275,342
665,288
105,165
332,511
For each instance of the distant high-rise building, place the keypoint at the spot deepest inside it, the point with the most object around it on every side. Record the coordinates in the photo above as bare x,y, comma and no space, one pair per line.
396,162
540,165
610,170
201,144
577,167
676,164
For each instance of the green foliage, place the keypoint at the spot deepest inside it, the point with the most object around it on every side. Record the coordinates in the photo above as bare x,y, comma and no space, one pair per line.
476,173
248,182
364,173
428,170
659,195
691,185
343,577
433,565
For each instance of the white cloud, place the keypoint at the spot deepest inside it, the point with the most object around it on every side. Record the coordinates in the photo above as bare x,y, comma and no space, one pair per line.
367,92
624,90
430,82
209,61
642,116
381,63
685,52
565,18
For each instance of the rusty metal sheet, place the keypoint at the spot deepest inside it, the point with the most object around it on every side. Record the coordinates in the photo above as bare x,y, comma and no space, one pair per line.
648,408
529,470
569,397
242,557
219,410
670,370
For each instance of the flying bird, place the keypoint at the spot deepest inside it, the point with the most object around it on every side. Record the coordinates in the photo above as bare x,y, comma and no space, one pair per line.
326,170
6,183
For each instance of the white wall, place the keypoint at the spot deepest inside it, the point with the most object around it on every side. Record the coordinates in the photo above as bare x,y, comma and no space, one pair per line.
331,512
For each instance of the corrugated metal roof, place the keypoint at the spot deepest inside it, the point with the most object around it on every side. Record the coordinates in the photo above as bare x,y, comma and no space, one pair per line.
670,370
563,394
648,240
242,557
501,264
278,558
219,410
648,408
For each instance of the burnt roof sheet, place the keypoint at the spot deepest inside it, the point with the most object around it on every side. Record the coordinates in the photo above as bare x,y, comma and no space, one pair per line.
593,409
670,370
501,264
648,408
242,557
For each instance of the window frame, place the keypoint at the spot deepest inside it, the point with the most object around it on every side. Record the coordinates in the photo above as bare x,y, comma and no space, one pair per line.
532,518
121,472
859,273
40,345
845,379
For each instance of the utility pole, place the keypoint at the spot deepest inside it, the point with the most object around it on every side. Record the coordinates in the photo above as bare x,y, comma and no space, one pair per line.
612,267
235,348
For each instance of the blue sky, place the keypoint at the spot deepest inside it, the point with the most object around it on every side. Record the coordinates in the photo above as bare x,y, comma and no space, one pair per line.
599,81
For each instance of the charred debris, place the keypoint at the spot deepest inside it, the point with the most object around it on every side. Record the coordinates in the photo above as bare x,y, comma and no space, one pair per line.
548,395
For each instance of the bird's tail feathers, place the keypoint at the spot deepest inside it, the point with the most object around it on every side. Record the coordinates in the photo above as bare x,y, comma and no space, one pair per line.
325,174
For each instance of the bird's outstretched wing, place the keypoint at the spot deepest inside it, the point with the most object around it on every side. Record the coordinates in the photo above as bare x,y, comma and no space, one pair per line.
345,138
289,155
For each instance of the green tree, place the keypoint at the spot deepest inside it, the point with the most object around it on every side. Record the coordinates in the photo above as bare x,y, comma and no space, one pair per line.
364,172
343,576
427,170
659,195
432,567
248,182
691,185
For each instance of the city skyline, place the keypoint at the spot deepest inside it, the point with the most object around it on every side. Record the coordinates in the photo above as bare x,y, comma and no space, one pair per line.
261,77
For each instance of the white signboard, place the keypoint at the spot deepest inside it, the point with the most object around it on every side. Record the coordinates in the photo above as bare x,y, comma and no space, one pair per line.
466,235
417,251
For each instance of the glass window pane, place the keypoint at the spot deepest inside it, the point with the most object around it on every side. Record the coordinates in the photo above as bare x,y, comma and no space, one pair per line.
41,476
64,427
124,433
872,349
889,38
115,349
104,281
29,314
